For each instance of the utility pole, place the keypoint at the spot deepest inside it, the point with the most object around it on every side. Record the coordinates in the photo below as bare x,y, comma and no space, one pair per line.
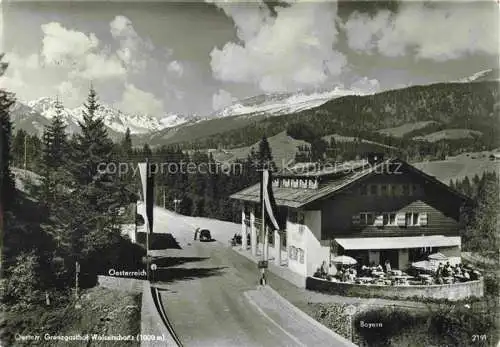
77,272
25,154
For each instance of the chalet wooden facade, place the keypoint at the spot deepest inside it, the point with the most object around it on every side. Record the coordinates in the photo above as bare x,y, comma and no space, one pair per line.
373,210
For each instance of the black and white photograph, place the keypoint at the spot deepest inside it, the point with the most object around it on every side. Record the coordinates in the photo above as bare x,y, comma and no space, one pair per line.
250,173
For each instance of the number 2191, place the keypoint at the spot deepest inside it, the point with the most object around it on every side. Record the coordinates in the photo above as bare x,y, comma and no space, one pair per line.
477,338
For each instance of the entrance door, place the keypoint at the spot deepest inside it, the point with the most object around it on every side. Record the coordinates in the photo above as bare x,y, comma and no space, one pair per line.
392,255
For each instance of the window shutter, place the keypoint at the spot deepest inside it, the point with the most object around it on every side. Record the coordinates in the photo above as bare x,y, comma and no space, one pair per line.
356,219
379,221
422,219
400,219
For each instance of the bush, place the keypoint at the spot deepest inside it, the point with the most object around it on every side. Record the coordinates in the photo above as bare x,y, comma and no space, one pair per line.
334,317
389,324
22,287
456,325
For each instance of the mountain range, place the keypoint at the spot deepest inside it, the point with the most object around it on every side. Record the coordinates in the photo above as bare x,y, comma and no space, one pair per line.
33,115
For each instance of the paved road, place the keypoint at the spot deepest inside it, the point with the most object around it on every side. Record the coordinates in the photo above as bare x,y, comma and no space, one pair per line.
211,296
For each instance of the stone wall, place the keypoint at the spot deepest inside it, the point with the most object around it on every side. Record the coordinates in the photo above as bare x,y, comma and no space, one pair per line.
452,292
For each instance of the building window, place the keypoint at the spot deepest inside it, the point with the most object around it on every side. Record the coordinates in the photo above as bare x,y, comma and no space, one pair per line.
415,190
397,190
373,189
383,190
366,218
392,219
391,189
363,190
412,219
406,189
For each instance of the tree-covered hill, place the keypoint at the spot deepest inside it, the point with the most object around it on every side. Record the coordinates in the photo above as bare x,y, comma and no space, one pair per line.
472,106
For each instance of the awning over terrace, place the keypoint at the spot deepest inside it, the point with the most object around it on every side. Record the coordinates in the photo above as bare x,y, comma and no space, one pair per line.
375,243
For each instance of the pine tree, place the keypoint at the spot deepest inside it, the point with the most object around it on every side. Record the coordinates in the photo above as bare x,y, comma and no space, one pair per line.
126,145
18,147
92,145
6,179
146,151
54,158
264,155
482,233
466,187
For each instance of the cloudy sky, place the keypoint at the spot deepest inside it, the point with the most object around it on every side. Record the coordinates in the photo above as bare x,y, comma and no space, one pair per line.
194,57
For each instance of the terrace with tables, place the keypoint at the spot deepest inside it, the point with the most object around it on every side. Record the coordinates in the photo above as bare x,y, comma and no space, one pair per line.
348,277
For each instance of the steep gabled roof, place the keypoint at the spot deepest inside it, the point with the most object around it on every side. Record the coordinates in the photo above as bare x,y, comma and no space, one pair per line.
299,197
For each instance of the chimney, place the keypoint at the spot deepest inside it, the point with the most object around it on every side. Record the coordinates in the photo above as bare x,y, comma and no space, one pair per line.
374,157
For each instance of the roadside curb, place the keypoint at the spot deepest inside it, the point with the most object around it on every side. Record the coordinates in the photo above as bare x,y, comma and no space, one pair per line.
257,307
307,317
152,326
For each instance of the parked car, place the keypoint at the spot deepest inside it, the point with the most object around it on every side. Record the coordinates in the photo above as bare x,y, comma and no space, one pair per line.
205,235
237,240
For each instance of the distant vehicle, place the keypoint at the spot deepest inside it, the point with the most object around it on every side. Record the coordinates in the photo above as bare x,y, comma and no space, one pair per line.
205,235
237,240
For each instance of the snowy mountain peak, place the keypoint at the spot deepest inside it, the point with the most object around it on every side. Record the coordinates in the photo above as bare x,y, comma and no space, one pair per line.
283,103
114,118
484,75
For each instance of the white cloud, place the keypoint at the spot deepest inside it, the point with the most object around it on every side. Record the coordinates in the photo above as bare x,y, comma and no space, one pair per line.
16,61
133,49
445,31
135,100
222,99
290,51
13,82
79,54
61,46
366,86
176,67
100,67
70,93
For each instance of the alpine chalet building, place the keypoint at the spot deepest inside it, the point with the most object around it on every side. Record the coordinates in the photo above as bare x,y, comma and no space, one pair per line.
372,210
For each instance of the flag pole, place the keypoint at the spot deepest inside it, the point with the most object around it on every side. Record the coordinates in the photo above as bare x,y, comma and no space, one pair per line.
263,227
147,219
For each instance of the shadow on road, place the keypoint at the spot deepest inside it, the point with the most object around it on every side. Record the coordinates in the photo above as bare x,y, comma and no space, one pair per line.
179,274
159,241
173,261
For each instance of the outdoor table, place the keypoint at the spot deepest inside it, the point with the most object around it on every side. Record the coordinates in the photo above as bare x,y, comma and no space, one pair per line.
402,280
397,272
448,280
365,280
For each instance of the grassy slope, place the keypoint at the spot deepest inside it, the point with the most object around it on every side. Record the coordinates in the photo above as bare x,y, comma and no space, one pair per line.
404,129
459,166
341,138
282,146
449,134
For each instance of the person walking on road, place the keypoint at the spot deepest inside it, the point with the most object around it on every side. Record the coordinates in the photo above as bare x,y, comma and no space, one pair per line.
196,233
